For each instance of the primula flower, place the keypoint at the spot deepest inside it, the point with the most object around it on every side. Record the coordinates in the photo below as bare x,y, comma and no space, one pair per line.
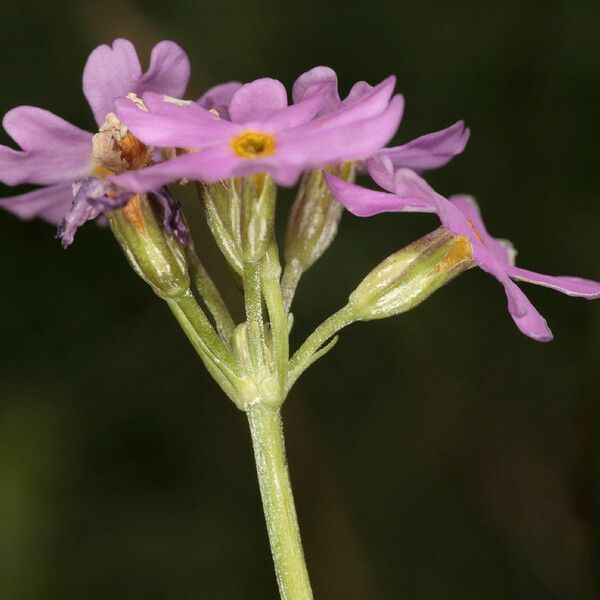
424,153
255,130
56,154
460,215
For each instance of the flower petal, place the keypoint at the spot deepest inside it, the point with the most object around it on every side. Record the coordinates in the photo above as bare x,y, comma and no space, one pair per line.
111,72
502,249
49,203
81,210
365,203
380,168
432,150
370,104
571,286
173,219
257,100
315,146
169,71
317,77
528,319
182,125
407,184
359,89
212,164
54,151
219,98
297,114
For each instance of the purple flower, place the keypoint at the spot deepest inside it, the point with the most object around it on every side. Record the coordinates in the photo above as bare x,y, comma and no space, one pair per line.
424,153
258,132
460,215
55,153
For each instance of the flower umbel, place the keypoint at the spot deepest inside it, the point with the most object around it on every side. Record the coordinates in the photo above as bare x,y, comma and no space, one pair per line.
238,142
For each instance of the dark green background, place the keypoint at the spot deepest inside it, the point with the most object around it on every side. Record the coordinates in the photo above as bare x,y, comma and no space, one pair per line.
440,454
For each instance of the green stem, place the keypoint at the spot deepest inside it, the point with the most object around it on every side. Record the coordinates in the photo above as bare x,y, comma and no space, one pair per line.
278,502
270,274
289,282
211,362
205,335
211,296
254,317
302,357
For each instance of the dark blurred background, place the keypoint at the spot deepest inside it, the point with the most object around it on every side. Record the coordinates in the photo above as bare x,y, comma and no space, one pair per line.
440,454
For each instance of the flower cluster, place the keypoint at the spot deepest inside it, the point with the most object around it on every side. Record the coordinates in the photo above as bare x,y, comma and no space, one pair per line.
150,136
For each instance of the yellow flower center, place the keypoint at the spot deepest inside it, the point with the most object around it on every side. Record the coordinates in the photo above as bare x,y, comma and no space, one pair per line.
253,144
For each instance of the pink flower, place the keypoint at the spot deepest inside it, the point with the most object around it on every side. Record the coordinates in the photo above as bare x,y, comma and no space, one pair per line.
56,154
460,215
256,131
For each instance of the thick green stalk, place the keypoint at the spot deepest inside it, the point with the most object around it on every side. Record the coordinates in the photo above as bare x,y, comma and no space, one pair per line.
278,502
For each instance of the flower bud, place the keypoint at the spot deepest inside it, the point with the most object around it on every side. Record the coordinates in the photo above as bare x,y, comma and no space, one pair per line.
222,207
257,194
406,278
241,215
314,217
155,250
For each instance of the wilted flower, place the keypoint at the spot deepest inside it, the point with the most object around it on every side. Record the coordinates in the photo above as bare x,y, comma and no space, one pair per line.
115,150
460,215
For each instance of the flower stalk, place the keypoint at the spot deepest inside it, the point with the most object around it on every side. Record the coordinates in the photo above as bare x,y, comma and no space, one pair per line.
272,292
278,502
312,224
211,296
